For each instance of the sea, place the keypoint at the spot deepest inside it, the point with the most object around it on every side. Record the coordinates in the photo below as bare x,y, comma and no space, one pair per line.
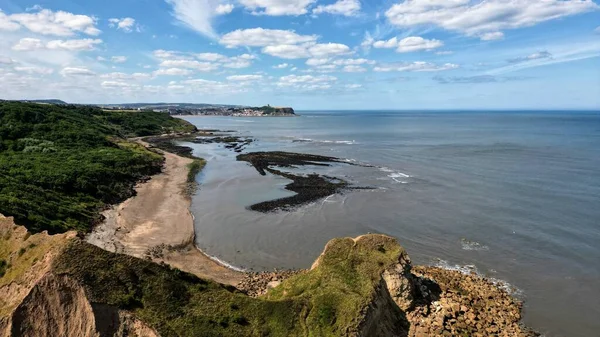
511,195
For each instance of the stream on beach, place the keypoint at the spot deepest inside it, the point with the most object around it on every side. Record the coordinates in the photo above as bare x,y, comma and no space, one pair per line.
511,195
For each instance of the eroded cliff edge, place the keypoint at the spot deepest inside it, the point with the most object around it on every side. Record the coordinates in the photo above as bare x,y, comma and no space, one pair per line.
59,285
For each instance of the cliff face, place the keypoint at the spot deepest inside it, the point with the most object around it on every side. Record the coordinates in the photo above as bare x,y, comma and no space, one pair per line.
36,302
60,286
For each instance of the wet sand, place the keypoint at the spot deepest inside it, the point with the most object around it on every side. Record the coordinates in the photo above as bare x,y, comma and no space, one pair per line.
157,224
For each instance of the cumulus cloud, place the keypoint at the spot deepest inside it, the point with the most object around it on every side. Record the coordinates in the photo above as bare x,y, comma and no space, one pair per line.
491,36
260,37
353,69
119,59
535,56
359,61
83,44
244,78
415,66
281,66
198,15
7,24
29,44
307,82
76,71
223,9
6,60
482,18
189,64
124,24
202,61
409,44
277,7
35,70
173,72
47,22
341,7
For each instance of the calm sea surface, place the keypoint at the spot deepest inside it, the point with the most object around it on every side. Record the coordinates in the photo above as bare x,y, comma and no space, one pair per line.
513,195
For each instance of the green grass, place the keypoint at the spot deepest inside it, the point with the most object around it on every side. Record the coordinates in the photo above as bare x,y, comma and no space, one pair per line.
60,165
194,168
327,301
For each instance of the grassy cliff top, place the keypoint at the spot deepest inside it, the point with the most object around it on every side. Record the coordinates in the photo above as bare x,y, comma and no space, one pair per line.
329,300
60,165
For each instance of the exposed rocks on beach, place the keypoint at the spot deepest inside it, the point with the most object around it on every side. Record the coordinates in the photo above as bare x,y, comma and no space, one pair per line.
258,283
309,187
234,143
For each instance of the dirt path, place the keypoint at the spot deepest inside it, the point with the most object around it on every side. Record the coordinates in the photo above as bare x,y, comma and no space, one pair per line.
157,223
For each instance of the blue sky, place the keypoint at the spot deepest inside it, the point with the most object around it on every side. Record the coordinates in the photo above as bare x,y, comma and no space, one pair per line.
309,54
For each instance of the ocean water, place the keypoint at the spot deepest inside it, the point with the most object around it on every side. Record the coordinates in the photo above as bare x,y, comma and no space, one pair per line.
512,195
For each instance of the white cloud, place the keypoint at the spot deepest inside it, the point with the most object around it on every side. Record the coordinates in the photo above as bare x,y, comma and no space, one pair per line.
124,76
341,7
354,69
244,78
300,79
117,85
83,44
353,62
597,30
306,82
317,61
101,58
6,60
210,57
415,66
60,23
190,64
74,71
125,24
197,15
27,44
281,66
535,56
223,9
277,7
35,70
353,86
444,52
328,49
491,36
7,24
260,37
477,18
409,44
210,61
118,59
287,51
320,50
173,72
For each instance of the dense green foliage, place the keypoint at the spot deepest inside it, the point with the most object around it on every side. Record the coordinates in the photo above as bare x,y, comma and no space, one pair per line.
173,302
329,300
60,165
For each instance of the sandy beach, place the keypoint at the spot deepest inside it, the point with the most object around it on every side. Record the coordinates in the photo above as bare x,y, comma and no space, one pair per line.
157,224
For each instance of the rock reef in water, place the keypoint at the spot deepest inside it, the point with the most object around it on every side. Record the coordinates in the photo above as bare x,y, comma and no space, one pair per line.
308,188
61,286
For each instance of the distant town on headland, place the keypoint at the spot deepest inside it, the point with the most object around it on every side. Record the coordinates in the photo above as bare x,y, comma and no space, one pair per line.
192,109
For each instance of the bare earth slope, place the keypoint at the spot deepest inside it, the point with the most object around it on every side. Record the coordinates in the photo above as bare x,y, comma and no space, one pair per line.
157,223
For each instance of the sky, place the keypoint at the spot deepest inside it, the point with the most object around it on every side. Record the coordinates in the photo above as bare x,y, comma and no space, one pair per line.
308,54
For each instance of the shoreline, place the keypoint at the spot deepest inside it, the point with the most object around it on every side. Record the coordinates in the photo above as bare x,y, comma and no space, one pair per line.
157,224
